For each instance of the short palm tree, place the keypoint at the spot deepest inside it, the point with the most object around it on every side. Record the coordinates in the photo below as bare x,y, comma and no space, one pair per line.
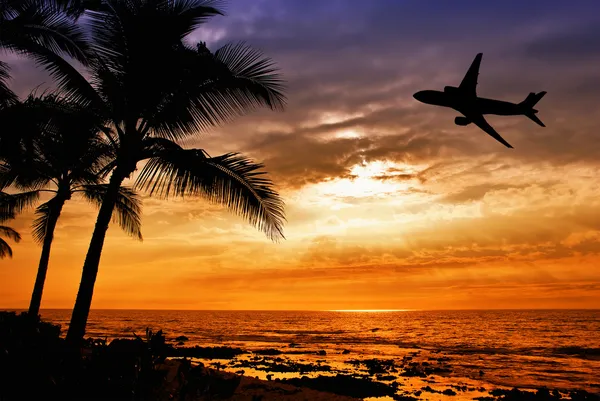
156,90
62,156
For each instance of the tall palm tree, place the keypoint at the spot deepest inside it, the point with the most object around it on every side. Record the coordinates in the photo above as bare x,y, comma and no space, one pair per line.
63,156
156,90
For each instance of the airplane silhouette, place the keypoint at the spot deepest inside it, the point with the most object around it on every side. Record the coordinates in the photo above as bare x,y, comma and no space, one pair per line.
464,100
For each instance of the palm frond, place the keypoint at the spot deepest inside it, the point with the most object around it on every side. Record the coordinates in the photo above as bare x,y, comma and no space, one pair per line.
7,96
128,207
255,77
71,84
213,88
12,204
10,233
231,180
75,8
5,249
44,23
39,227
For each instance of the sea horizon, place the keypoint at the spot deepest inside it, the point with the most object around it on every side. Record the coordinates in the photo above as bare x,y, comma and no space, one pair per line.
314,310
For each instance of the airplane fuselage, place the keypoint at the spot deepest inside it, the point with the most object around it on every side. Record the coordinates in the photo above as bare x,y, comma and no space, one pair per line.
467,104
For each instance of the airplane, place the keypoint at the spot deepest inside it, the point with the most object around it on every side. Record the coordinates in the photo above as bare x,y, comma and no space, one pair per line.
464,99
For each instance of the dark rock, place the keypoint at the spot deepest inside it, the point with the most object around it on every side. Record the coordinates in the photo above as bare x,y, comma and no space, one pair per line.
345,352
267,351
582,395
344,385
181,338
399,397
449,391
322,352
209,352
413,372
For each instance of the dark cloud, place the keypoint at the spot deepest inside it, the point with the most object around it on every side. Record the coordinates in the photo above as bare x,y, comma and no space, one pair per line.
475,192
579,43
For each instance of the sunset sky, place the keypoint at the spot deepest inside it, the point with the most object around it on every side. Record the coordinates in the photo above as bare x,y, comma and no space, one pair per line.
390,205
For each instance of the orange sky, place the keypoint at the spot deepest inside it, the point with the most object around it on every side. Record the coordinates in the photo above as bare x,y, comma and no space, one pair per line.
389,204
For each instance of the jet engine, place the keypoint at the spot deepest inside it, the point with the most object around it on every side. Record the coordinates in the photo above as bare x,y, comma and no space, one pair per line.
449,89
462,121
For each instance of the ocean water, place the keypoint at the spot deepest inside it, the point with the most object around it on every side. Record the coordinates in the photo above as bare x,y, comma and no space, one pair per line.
522,348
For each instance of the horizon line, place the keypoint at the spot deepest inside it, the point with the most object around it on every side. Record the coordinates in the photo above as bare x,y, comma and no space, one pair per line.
309,310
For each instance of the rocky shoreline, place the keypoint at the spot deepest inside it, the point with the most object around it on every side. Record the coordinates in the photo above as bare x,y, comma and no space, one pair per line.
371,378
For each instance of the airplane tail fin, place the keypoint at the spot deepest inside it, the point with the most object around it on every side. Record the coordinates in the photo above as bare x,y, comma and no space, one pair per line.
530,101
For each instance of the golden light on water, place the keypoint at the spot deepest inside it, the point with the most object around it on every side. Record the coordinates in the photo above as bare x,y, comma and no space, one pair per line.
371,310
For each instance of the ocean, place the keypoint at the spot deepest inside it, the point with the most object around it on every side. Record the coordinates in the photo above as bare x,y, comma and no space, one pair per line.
510,348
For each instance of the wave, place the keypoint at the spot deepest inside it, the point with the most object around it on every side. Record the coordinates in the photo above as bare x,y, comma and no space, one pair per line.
581,352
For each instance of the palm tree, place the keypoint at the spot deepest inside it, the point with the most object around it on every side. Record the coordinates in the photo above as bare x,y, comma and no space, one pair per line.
156,90
62,156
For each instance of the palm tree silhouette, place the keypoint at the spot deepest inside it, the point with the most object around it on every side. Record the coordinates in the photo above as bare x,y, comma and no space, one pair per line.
59,152
156,90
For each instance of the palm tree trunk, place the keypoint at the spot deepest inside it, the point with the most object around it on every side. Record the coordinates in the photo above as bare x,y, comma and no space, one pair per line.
38,288
92,261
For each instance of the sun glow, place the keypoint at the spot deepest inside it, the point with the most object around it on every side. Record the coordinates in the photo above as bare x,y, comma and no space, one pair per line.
348,134
368,179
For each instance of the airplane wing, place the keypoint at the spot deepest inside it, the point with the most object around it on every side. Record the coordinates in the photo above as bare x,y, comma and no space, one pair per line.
480,121
469,82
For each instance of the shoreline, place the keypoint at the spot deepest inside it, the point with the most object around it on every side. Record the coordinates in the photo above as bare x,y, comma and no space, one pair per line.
374,379
352,388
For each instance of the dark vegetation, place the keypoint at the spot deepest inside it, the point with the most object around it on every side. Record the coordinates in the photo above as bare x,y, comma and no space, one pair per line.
41,366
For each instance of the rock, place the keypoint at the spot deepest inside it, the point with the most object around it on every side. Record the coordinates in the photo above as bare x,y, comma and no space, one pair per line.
181,338
344,385
345,352
267,351
322,352
209,352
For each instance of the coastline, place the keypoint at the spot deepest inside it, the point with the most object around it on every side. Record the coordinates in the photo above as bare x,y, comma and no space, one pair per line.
372,380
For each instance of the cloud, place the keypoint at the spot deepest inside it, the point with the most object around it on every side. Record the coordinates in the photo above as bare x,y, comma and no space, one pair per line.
452,217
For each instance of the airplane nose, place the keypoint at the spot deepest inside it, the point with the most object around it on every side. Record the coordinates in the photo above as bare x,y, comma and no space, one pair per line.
419,96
